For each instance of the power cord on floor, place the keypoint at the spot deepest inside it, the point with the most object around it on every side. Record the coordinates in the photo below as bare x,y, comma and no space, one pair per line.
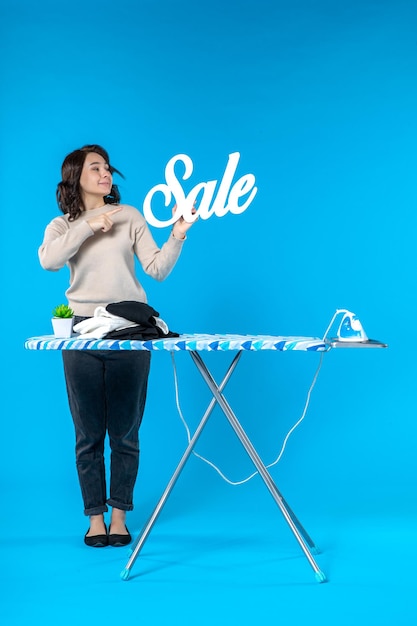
202,458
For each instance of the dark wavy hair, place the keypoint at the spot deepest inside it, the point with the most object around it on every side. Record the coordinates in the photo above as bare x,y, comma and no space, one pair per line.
68,192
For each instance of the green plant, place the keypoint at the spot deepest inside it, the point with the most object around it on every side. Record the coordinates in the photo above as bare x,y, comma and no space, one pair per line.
63,310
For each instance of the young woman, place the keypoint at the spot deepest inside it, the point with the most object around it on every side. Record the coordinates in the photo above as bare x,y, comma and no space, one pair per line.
98,239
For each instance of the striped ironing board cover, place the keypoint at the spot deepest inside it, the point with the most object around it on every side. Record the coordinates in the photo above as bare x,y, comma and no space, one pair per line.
190,342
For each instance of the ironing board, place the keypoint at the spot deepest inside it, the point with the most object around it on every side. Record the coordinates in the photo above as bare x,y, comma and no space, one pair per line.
195,344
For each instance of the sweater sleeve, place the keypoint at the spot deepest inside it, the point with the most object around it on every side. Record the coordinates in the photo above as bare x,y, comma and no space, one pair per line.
156,262
60,243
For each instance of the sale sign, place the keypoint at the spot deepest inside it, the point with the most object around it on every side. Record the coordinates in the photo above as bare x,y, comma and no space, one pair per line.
202,201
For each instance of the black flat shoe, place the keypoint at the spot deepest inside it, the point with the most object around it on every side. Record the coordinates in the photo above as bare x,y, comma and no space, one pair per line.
96,541
118,541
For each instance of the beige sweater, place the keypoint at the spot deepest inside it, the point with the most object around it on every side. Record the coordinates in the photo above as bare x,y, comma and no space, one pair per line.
102,265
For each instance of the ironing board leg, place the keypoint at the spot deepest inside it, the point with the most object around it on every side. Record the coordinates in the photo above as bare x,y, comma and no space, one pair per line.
293,523
304,533
137,546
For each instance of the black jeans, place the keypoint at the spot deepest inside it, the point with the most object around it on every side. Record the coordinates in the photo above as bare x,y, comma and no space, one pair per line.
106,393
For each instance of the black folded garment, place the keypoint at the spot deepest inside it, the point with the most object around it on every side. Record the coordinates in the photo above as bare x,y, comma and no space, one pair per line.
138,312
143,315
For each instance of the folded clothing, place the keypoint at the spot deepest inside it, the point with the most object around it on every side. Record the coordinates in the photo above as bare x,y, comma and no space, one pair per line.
124,320
148,324
139,312
100,324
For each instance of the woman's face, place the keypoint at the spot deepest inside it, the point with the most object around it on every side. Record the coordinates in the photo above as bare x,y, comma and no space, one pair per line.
96,179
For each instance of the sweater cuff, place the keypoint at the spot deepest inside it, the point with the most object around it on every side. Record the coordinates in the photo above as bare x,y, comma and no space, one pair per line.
176,238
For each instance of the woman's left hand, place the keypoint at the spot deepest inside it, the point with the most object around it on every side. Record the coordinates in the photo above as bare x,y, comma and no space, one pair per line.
181,226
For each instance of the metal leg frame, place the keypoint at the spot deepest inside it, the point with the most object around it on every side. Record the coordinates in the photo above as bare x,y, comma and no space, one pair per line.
149,525
299,532
297,529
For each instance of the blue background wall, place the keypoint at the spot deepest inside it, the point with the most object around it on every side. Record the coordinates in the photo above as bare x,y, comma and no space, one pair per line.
320,99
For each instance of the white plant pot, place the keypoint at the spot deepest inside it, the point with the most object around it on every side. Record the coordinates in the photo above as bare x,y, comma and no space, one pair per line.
62,326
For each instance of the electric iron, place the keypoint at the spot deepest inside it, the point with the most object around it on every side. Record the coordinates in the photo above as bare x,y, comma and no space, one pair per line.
350,328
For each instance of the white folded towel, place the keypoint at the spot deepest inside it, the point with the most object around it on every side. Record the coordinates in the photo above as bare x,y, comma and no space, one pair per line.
100,324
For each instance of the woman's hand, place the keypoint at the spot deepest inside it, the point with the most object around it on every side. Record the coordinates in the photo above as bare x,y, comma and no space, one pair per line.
103,222
181,226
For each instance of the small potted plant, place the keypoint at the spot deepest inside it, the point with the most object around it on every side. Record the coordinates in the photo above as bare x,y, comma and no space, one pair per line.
62,321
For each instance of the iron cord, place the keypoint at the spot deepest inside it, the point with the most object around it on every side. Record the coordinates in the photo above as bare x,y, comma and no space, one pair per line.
284,444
